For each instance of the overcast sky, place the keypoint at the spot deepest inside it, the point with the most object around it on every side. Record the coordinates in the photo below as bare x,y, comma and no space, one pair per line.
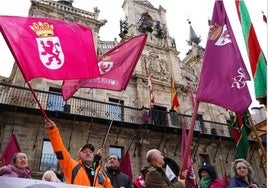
177,13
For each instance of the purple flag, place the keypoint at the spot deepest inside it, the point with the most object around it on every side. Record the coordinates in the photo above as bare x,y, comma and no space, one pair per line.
224,74
190,180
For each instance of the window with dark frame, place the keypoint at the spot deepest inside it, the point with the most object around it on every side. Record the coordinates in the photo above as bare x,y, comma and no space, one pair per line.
55,101
116,110
116,150
48,158
204,159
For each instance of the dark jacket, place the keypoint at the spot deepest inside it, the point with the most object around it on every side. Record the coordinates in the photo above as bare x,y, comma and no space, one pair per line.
118,178
215,182
239,182
12,171
156,177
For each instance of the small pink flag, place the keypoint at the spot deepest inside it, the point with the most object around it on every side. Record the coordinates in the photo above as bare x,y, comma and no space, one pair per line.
116,67
11,148
151,89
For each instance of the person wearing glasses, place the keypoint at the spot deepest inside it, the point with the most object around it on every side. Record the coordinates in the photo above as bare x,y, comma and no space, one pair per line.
242,175
118,178
18,168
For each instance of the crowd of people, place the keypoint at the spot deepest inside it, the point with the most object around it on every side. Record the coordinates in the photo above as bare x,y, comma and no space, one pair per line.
88,170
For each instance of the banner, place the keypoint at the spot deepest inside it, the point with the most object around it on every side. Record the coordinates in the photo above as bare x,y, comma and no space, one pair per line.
10,182
50,48
116,67
223,78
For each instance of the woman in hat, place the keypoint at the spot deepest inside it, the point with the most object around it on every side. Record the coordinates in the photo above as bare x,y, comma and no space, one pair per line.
209,179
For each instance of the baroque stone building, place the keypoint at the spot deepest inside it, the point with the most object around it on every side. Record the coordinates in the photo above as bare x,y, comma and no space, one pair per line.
118,121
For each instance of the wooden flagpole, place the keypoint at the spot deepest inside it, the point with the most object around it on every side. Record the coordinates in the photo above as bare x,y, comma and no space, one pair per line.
38,102
262,155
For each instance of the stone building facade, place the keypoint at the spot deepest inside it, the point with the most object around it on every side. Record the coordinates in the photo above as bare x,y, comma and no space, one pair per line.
116,120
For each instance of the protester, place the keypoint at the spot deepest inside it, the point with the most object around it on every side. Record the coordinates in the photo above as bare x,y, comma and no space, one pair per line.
139,182
155,175
209,179
85,171
118,178
18,168
50,176
242,175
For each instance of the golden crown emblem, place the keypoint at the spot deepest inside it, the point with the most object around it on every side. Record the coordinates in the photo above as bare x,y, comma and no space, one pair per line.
106,58
42,29
214,31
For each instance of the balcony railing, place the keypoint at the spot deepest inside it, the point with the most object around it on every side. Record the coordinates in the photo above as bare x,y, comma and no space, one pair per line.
16,96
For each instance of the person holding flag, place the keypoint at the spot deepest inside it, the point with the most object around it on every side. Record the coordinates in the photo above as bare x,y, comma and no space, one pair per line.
155,175
87,170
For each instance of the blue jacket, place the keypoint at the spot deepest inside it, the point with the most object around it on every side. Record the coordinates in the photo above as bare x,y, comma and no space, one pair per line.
239,182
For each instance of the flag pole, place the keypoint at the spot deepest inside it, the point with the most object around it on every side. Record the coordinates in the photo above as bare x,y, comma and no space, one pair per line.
109,128
38,102
262,155
189,138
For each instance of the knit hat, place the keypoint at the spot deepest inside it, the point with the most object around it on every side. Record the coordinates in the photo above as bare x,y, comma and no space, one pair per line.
210,169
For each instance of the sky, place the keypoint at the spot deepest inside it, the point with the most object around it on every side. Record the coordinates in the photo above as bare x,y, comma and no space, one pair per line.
177,15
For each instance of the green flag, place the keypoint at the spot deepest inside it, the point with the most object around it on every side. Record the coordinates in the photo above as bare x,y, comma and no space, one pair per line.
241,129
257,59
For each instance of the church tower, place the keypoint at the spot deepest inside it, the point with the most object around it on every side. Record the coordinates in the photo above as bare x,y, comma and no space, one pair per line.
160,56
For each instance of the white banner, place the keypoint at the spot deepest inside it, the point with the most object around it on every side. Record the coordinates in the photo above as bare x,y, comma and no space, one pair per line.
9,182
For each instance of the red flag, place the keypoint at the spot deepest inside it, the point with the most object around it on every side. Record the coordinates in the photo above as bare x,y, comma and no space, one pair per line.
240,127
151,89
224,74
11,148
116,67
264,17
125,166
50,48
190,180
257,59
225,179
174,97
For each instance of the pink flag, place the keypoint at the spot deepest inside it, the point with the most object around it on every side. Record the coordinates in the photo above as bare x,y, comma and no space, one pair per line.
151,89
223,75
116,67
11,148
50,48
190,180
125,166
